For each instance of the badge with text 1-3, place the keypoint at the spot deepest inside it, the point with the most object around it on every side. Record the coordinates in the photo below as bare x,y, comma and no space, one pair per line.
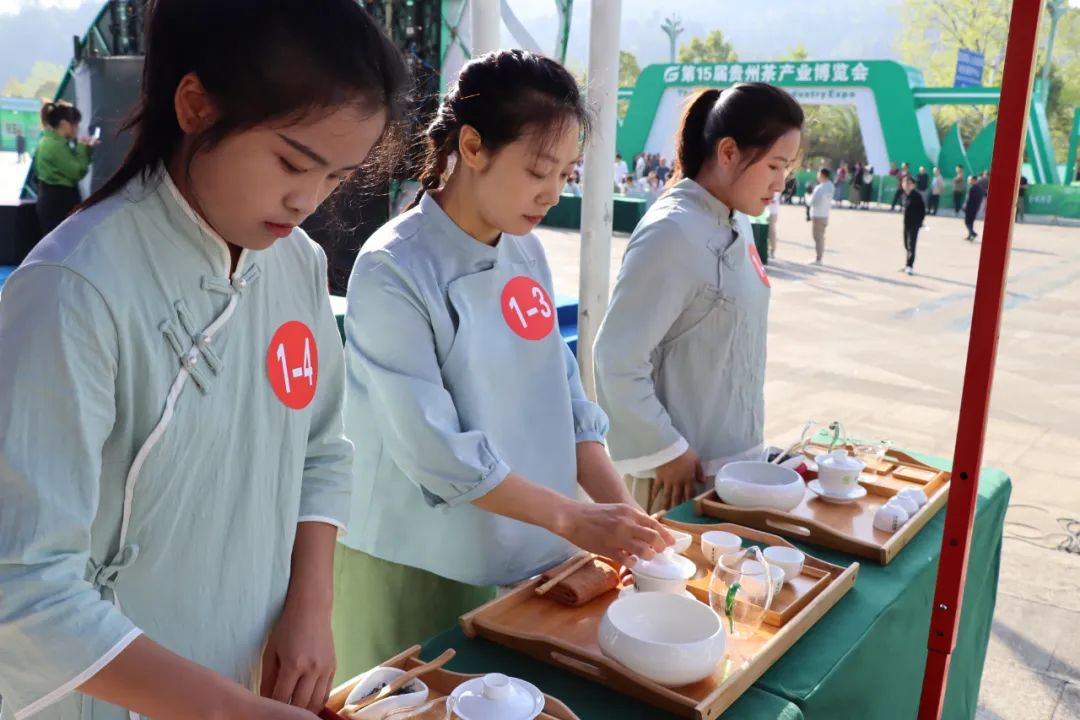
527,308
292,364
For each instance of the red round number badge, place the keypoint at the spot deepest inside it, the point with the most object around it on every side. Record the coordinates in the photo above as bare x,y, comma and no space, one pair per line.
758,267
292,364
527,308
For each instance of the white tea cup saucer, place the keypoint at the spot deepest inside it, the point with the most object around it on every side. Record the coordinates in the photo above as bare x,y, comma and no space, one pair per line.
857,493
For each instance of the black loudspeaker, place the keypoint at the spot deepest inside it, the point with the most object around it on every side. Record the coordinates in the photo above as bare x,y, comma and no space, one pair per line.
342,224
19,231
106,91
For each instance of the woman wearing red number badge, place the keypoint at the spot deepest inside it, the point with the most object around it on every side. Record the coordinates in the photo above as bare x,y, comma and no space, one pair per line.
471,426
174,469
680,357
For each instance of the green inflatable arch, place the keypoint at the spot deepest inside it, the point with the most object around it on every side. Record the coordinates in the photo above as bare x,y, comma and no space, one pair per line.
891,100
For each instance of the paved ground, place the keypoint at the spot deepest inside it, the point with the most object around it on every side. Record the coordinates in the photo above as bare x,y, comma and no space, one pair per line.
859,341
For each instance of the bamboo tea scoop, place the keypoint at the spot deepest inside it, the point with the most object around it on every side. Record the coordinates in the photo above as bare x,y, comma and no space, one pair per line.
400,682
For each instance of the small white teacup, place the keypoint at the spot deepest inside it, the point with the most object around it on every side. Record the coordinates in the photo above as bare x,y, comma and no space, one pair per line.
914,494
788,559
717,543
907,502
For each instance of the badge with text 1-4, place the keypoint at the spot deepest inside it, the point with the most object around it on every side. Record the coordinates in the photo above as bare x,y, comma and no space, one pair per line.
292,364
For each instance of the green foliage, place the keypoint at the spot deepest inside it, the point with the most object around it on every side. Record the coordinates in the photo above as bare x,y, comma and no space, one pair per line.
629,69
798,53
831,133
933,31
713,48
43,81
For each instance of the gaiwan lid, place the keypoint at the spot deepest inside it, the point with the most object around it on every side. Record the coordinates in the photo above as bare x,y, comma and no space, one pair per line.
667,566
840,460
497,697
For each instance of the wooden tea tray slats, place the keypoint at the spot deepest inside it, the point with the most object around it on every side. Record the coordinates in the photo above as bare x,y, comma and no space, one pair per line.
847,528
441,683
568,638
793,596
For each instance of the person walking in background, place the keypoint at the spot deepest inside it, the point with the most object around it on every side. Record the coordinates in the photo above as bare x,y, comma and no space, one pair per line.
958,190
639,166
840,187
855,191
573,185
820,204
867,186
899,194
937,186
791,185
975,197
652,161
1022,198
621,171
774,218
914,215
922,184
663,172
20,147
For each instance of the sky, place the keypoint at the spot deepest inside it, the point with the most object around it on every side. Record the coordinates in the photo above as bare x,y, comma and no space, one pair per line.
11,7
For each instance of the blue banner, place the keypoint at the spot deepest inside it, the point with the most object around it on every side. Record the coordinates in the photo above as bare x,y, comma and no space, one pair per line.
969,68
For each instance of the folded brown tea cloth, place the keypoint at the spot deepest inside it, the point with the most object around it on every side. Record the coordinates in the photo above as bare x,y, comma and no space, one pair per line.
590,581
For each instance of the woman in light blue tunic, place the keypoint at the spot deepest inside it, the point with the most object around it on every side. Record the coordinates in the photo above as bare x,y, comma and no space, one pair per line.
680,356
472,429
173,463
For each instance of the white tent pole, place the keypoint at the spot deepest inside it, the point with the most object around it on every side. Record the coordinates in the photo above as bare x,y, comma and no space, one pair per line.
485,26
599,181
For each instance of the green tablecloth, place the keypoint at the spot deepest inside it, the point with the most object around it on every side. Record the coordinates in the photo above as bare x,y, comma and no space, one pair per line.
626,212
863,660
761,240
588,700
339,305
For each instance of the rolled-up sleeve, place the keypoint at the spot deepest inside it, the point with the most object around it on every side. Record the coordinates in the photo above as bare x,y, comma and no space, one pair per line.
590,421
394,366
645,304
327,482
58,363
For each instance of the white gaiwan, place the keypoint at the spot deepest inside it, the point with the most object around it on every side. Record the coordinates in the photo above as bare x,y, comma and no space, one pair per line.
372,681
671,639
751,483
839,472
496,697
666,573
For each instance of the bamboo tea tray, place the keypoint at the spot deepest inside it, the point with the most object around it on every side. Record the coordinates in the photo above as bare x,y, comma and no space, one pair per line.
567,637
816,576
441,683
847,528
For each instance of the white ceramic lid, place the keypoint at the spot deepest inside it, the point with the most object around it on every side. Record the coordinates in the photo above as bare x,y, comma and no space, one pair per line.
840,460
667,566
497,697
